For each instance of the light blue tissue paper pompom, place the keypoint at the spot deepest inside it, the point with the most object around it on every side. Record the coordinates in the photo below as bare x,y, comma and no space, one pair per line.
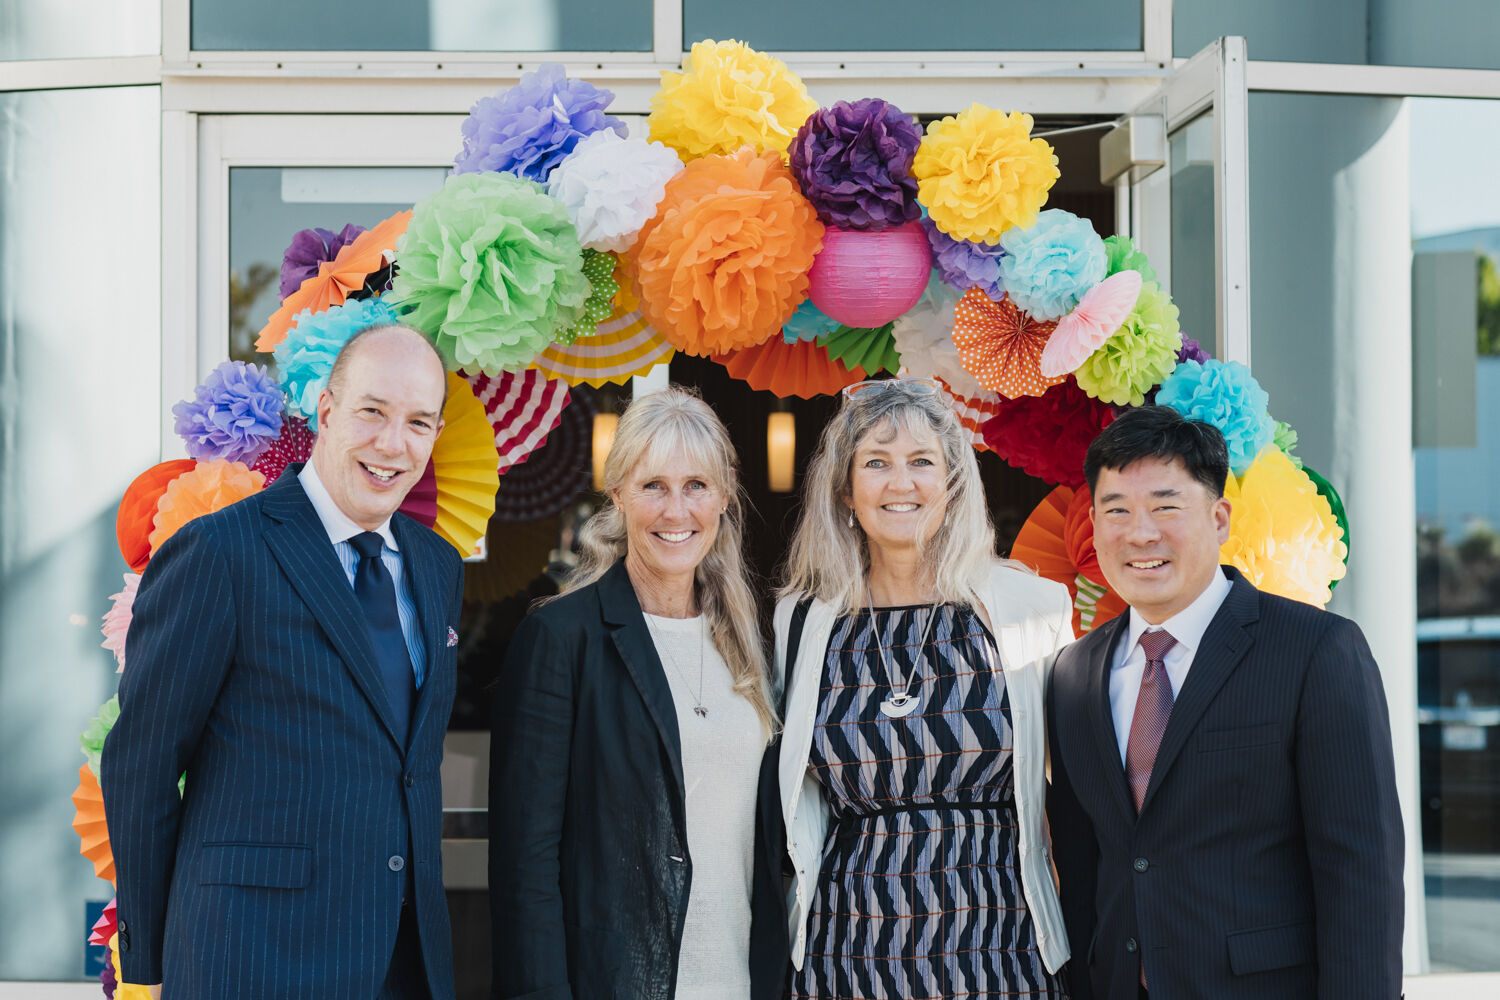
1047,268
304,358
808,323
1225,394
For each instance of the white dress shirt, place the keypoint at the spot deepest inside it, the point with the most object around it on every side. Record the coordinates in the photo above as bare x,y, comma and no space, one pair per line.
1186,626
341,528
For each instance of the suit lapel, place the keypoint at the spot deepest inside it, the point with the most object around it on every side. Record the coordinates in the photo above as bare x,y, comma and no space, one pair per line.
1224,645
425,578
300,544
1103,719
622,611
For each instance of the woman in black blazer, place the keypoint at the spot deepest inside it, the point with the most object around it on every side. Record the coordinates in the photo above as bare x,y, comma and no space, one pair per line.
634,846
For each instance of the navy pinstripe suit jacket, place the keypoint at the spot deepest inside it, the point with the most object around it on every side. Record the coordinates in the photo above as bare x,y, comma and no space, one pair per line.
280,870
1267,857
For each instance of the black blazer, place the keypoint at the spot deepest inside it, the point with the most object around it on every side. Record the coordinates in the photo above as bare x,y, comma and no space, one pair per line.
589,867
1267,857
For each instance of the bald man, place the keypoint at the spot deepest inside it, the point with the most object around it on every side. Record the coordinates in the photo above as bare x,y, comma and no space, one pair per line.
294,655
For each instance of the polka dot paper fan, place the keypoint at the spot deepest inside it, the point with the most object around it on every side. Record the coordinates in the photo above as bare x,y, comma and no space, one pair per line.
1001,345
293,445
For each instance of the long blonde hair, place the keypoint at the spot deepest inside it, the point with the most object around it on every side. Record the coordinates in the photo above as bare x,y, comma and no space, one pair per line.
675,422
829,559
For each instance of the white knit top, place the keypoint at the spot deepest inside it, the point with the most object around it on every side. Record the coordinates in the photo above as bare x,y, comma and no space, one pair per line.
721,754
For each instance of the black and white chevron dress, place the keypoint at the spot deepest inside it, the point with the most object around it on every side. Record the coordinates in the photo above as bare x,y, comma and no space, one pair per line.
919,895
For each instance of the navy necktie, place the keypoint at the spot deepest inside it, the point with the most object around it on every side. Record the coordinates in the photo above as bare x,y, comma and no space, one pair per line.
376,591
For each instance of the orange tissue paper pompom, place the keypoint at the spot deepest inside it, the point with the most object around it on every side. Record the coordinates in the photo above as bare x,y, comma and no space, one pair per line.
207,487
725,261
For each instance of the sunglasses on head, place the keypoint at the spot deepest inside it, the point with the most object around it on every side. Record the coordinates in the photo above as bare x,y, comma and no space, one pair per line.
922,386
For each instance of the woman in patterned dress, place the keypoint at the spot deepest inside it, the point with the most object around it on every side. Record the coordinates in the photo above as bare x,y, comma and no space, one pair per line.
912,758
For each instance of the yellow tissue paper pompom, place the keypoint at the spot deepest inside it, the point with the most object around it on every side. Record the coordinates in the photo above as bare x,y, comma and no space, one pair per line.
728,96
1282,533
979,173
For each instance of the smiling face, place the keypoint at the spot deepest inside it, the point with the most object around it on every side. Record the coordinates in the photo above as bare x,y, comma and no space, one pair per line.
898,488
376,428
1157,533
671,509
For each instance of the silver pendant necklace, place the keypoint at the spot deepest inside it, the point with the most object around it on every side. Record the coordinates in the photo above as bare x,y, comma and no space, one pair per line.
903,703
699,709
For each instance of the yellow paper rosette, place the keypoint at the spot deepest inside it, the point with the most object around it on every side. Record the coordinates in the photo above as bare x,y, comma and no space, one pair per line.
465,468
1282,533
980,172
727,96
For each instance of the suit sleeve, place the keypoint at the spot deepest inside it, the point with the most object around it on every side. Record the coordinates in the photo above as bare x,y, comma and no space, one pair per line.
1075,850
530,749
1351,818
179,649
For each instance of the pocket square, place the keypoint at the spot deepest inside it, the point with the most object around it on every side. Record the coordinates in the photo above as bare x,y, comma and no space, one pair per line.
452,637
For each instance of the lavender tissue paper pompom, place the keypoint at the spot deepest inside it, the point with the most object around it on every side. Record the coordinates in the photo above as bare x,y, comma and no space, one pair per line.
234,414
528,129
853,162
965,264
309,248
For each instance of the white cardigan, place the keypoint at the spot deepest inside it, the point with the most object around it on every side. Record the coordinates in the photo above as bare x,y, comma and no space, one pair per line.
1031,618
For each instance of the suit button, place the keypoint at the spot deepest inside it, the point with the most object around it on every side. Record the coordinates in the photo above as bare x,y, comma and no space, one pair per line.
1141,864
409,780
396,863
1131,946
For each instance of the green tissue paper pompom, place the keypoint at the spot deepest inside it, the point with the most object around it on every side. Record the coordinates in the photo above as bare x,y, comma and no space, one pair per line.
1139,355
490,267
92,739
1120,254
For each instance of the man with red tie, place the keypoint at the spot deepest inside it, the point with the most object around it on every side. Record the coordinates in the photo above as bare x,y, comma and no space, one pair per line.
1223,808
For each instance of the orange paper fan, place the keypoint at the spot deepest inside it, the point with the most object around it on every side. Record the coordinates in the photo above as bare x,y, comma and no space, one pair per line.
88,822
335,278
802,369
1059,545
1001,346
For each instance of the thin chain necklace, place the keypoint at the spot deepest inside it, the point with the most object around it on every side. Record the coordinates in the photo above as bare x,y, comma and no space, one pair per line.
699,709
901,703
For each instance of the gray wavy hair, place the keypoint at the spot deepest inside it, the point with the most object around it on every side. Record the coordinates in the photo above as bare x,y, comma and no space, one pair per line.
829,559
675,422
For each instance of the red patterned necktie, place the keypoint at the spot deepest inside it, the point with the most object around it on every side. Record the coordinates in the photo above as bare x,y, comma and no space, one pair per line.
1153,706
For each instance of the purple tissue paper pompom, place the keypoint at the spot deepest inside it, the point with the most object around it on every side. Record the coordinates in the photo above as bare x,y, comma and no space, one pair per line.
853,162
528,129
310,248
107,977
965,264
1192,351
234,414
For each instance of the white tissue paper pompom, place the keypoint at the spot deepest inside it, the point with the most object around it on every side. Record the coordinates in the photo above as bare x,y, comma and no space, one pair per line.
610,187
924,339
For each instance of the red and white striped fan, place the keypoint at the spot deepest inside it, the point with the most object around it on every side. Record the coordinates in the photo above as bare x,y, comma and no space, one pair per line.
972,412
523,407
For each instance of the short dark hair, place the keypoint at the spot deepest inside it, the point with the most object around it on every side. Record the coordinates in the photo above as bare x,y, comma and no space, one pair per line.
1160,432
347,352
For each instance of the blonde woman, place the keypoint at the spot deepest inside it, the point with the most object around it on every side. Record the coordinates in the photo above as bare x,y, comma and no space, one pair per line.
631,855
912,761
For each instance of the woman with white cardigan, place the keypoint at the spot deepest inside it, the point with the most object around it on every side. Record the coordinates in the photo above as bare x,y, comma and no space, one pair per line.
912,764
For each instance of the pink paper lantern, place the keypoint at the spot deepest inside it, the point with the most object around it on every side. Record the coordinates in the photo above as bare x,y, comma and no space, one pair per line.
868,279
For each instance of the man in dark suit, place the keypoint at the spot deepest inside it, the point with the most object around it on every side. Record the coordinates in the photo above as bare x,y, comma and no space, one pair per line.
293,654
1223,809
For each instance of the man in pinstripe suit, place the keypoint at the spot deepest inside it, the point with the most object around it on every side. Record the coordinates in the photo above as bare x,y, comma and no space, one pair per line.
293,655
1223,809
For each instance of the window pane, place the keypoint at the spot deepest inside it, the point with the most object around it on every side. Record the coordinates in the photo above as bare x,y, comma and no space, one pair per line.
269,205
80,417
423,25
1451,33
78,29
1374,234
889,25
1192,279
